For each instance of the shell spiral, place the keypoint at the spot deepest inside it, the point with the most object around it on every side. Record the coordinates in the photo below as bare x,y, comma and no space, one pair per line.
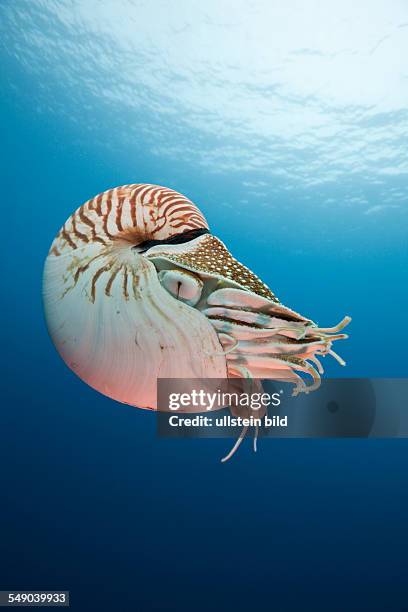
107,313
136,288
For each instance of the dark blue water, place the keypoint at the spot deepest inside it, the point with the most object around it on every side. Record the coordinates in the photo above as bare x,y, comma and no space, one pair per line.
294,146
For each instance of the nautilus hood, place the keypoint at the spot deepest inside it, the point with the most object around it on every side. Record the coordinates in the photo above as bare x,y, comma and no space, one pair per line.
208,258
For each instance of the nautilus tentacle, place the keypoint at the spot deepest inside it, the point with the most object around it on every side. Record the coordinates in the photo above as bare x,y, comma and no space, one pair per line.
136,289
271,340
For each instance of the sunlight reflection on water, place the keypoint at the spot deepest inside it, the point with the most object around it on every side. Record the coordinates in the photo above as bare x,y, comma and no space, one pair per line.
298,98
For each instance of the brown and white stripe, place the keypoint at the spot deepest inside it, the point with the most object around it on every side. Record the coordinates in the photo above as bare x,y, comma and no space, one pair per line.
130,213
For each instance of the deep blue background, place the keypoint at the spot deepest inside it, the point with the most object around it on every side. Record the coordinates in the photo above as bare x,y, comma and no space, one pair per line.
93,502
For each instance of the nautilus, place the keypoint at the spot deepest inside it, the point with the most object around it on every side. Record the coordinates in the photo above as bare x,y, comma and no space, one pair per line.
137,288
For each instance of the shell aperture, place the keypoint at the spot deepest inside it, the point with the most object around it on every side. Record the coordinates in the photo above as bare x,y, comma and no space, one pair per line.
135,288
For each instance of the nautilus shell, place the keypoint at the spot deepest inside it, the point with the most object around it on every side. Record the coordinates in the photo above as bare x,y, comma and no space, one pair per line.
136,288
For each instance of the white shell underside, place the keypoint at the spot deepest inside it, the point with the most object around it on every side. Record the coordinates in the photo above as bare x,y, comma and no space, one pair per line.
124,331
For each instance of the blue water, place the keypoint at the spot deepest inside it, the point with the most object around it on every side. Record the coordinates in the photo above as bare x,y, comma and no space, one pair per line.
287,125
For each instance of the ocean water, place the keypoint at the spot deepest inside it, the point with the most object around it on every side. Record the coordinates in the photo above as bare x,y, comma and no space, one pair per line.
287,123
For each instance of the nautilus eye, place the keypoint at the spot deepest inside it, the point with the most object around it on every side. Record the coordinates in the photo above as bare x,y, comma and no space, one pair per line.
182,285
136,288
